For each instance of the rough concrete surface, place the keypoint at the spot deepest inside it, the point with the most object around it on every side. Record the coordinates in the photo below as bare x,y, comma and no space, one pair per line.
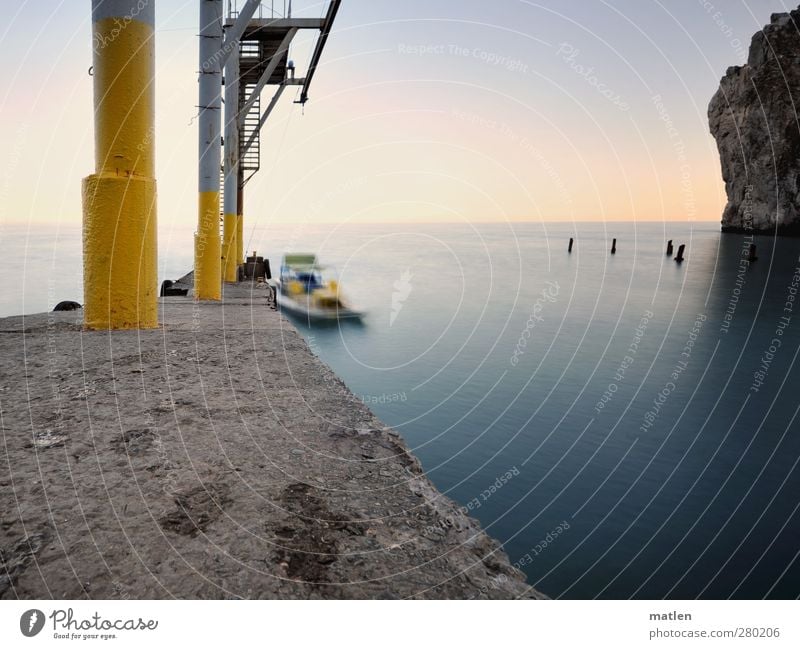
214,457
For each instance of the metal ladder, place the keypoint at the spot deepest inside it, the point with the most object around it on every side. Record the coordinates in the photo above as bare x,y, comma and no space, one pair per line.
221,201
250,162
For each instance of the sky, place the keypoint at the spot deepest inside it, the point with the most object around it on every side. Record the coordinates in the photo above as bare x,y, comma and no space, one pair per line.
422,110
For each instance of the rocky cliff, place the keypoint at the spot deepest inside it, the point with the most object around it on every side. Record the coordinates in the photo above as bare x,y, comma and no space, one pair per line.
754,119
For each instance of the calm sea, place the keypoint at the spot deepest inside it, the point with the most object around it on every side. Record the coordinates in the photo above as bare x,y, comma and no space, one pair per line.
627,426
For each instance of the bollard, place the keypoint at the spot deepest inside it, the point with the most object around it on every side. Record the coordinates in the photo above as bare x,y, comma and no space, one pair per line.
614,247
570,245
669,248
752,256
67,305
679,257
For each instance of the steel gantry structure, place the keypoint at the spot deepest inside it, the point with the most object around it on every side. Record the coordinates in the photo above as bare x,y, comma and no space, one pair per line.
253,53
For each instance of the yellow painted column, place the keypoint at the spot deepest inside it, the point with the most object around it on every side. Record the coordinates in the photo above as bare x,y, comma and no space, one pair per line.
231,163
207,248
229,256
119,199
240,239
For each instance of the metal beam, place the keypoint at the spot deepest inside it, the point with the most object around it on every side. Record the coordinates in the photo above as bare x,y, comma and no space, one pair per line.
273,63
284,23
236,29
273,102
333,8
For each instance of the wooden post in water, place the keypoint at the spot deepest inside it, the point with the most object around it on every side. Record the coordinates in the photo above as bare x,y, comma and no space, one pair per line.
614,247
752,256
681,248
669,248
570,244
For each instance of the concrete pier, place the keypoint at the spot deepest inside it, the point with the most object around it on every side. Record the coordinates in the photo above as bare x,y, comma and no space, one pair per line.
214,457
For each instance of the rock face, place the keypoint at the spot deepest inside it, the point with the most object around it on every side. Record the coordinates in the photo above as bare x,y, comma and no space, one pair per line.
754,119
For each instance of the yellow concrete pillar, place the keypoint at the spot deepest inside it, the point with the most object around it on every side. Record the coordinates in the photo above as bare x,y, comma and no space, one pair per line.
207,248
240,239
119,199
229,256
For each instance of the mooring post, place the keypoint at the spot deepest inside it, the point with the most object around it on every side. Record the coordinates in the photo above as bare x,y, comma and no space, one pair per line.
669,248
207,249
570,244
230,254
752,256
614,247
120,282
679,257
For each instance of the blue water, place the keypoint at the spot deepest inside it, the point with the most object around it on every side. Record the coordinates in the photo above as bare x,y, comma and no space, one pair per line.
685,483
702,502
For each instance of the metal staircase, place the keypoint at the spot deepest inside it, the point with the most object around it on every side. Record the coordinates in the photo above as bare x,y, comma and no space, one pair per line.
250,162
221,201
264,62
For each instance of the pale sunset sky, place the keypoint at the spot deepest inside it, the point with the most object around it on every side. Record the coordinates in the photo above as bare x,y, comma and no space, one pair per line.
422,110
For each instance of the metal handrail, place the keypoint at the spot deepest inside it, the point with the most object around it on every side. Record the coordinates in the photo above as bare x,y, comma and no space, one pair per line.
264,9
